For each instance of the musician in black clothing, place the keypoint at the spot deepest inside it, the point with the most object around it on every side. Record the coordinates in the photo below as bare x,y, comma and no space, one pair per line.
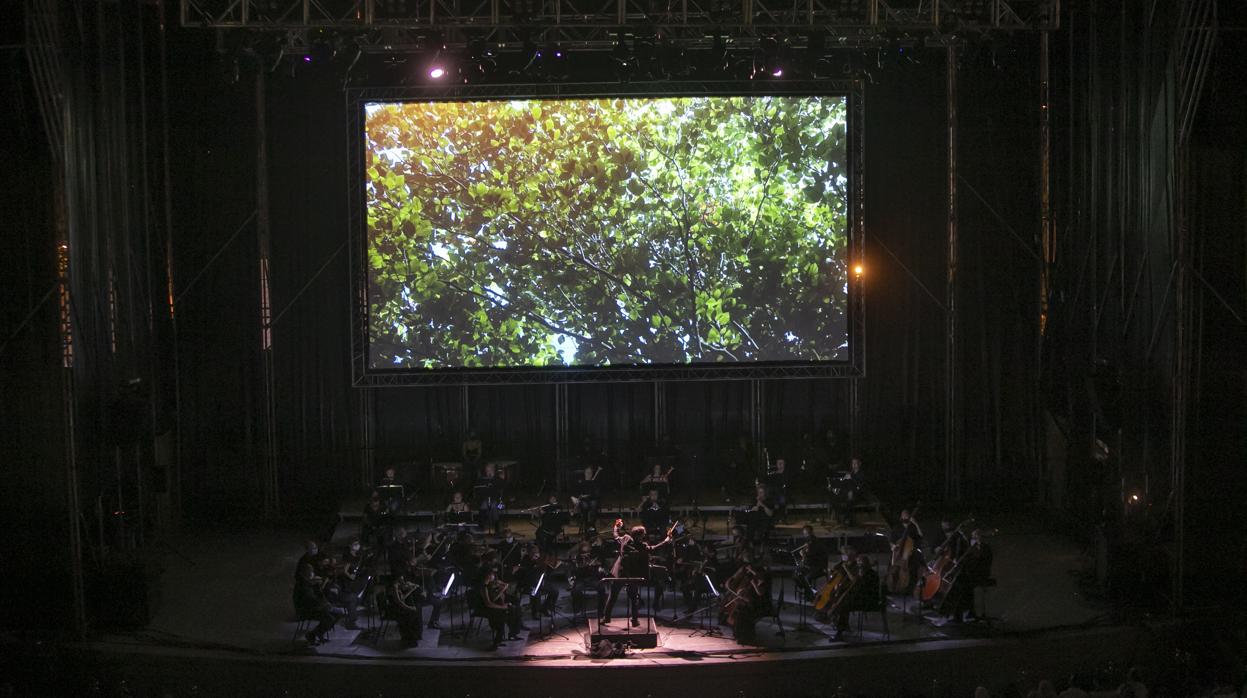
472,449
458,511
510,551
501,614
377,520
909,529
352,579
465,555
975,571
586,570
312,559
954,542
489,503
404,600
777,486
866,591
310,603
553,518
401,552
810,558
587,499
633,562
544,589
693,563
653,512
760,516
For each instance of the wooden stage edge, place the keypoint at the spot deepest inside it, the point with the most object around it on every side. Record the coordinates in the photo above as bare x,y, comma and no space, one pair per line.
931,667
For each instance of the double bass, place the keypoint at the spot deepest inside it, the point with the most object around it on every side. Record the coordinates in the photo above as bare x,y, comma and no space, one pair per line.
898,571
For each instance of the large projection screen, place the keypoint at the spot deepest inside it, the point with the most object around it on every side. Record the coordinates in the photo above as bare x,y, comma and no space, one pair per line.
600,233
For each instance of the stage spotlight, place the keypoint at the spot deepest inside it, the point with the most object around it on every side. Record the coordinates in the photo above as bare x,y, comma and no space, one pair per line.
437,65
770,59
858,269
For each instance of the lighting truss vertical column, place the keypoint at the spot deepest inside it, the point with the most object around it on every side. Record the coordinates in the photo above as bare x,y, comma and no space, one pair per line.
561,429
660,411
465,408
268,466
757,415
69,406
367,454
952,470
1047,246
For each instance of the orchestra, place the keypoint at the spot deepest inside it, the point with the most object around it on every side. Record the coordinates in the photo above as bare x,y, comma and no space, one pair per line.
389,569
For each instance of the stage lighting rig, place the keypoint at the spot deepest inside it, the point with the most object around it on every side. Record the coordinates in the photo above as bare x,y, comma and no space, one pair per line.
770,59
624,60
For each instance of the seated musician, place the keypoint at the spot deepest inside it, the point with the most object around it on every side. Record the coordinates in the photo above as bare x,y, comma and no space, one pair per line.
736,545
545,589
404,598
657,479
866,593
856,490
501,614
471,450
847,566
908,529
690,562
377,520
953,542
976,571
488,493
760,516
466,555
509,552
777,486
458,510
633,563
585,572
857,477
553,518
744,593
310,603
353,577
392,489
312,559
653,512
587,500
811,559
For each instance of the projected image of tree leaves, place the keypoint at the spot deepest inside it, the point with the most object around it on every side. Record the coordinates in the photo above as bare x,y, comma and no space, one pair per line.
607,232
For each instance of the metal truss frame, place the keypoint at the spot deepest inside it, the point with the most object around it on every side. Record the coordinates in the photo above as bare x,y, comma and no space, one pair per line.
406,25
363,375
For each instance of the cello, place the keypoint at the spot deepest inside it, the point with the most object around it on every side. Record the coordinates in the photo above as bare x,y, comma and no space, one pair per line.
943,566
835,590
898,578
744,590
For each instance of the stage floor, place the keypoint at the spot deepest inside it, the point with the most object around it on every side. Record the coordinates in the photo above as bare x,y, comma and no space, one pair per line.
231,590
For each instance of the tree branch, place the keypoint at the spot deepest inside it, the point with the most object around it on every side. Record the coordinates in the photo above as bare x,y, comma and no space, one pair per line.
490,297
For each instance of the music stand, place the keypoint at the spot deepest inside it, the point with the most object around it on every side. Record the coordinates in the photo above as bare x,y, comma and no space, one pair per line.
391,494
534,597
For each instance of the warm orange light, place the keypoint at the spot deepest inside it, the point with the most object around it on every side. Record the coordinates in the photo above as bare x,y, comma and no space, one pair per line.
857,270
